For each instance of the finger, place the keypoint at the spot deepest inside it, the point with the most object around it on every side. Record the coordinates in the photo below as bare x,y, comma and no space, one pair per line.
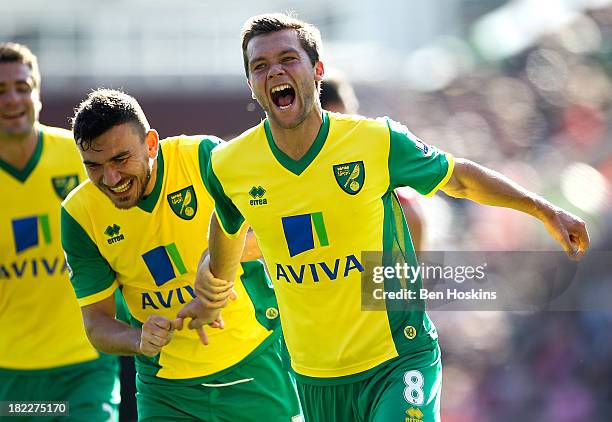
184,313
218,323
203,336
216,295
176,324
156,330
233,295
582,241
196,323
189,310
161,322
215,304
153,340
214,285
564,240
149,350
583,236
205,276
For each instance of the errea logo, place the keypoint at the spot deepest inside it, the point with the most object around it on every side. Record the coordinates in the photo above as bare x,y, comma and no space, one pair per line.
257,193
113,234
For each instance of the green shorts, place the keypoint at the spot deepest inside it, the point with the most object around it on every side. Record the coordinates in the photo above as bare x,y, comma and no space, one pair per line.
91,389
404,389
259,389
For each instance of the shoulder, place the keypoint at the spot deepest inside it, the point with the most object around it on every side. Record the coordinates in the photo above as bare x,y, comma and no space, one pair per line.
348,121
239,145
82,198
58,140
56,134
182,143
60,152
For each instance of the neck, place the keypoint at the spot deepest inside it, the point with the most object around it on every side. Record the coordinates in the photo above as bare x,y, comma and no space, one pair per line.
296,142
18,151
152,179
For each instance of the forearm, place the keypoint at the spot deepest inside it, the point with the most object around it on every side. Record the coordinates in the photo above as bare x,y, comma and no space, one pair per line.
225,253
485,186
109,335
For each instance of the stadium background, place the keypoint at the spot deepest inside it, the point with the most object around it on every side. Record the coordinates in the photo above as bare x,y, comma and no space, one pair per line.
522,86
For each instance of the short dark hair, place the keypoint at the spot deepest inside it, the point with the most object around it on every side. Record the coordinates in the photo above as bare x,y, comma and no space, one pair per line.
308,34
11,52
102,110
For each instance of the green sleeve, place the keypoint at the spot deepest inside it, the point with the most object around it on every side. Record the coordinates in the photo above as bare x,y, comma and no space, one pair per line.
414,163
89,272
230,217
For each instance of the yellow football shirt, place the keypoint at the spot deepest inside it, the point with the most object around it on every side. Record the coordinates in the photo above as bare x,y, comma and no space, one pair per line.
314,217
40,319
151,252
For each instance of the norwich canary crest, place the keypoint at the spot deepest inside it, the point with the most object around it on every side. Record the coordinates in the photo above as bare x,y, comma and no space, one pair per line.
184,202
350,176
62,185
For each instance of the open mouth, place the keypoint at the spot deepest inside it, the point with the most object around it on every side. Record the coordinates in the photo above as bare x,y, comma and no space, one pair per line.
122,187
13,115
283,96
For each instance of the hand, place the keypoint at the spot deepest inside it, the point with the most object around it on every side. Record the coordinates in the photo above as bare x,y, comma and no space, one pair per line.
156,333
212,291
570,231
200,315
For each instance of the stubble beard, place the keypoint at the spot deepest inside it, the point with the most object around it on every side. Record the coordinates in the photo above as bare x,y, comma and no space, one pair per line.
126,203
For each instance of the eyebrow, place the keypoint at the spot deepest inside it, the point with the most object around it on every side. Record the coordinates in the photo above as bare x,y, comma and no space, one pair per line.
282,53
19,81
114,157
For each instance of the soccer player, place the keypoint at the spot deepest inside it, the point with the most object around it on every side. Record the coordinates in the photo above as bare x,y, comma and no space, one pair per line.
324,187
140,223
44,352
337,95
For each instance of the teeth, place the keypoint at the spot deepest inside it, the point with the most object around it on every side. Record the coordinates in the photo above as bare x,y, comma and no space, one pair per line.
12,115
280,88
121,188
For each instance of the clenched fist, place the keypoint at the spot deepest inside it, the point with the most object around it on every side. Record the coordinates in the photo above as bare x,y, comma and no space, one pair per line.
156,333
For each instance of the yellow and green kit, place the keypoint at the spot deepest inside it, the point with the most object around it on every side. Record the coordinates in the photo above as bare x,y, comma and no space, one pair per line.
313,218
44,352
151,252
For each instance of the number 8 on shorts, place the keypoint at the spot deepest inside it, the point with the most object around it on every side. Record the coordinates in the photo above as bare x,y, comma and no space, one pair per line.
413,393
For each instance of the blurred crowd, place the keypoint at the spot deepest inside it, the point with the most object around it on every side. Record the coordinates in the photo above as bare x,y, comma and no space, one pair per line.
542,117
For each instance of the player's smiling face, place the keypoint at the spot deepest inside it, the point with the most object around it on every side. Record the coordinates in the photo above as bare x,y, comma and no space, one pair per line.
19,100
119,162
282,77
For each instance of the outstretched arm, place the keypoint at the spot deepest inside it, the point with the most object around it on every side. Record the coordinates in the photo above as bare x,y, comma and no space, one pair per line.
485,186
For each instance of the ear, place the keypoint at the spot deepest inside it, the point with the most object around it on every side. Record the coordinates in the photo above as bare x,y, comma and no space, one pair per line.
36,100
251,88
319,71
152,140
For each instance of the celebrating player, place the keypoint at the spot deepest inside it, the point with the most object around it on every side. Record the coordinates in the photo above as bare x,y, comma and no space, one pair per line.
324,187
44,352
140,224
